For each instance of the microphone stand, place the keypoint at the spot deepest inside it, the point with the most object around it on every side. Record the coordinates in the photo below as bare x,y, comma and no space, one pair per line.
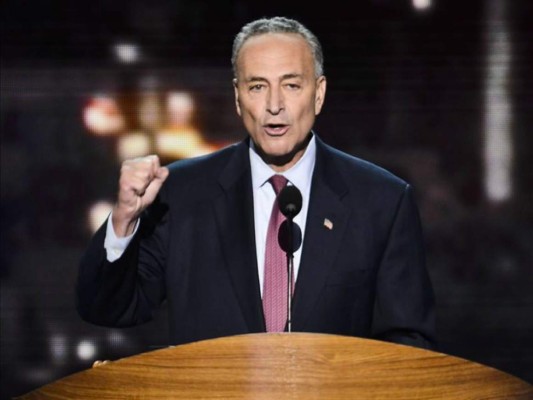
290,268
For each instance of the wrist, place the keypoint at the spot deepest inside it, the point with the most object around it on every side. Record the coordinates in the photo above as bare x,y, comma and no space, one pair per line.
123,225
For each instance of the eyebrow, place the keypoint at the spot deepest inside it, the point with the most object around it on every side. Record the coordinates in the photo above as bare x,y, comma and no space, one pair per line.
284,77
291,76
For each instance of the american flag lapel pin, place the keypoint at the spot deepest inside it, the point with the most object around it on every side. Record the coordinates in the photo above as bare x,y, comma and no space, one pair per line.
328,224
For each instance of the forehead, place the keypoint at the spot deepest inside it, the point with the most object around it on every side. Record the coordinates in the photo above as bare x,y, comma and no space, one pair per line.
275,53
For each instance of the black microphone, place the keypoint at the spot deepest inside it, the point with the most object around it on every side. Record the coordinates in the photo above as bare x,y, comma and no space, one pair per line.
289,241
290,201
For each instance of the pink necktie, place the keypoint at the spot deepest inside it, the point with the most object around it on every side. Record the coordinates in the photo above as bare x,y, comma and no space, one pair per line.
275,283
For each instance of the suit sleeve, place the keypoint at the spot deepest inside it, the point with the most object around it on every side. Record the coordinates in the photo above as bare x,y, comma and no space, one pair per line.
124,292
404,305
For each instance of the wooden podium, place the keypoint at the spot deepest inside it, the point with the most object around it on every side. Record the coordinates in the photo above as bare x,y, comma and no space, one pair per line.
288,366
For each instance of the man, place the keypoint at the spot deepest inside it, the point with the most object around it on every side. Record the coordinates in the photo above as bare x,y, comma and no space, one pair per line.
197,235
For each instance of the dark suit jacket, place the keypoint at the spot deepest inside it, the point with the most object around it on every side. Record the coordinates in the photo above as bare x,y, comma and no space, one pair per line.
195,249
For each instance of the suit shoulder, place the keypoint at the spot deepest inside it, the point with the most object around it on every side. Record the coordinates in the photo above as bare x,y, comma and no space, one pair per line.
359,171
198,177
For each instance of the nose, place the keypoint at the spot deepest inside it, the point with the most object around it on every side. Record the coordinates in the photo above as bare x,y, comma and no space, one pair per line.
275,101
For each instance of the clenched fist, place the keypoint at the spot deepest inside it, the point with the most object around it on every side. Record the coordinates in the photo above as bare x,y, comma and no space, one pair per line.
140,181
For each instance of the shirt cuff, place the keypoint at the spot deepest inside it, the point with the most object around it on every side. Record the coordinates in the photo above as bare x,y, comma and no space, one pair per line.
115,246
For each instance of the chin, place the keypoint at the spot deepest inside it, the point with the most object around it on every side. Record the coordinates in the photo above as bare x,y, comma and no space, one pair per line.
277,151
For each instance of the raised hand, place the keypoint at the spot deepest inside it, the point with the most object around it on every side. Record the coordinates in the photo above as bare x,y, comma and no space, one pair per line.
140,181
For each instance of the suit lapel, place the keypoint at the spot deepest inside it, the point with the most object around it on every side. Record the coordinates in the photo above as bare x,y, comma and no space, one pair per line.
235,219
322,239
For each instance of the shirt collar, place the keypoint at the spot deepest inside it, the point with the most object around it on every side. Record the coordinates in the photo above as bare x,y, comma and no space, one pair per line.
299,174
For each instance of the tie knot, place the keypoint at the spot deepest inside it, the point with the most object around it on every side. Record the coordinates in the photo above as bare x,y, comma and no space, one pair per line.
278,182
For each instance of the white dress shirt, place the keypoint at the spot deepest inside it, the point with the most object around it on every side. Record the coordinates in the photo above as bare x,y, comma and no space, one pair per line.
299,175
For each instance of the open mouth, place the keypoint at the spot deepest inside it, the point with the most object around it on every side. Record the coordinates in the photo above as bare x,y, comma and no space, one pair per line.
276,129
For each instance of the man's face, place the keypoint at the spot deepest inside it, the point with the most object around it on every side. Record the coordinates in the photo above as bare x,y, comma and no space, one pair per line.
278,96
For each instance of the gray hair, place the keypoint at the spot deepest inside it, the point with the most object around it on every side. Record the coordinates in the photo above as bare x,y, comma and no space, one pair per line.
278,25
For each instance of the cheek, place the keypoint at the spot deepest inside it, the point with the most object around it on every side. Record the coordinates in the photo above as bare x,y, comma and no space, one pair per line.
249,120
251,112
307,113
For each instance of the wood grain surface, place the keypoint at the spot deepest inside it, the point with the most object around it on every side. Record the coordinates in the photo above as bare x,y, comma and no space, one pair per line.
288,366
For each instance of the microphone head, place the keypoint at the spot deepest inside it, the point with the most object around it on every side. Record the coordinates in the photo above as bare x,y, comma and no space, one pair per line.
285,236
290,201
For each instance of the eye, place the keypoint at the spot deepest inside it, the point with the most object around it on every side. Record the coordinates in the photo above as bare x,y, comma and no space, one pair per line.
256,88
292,86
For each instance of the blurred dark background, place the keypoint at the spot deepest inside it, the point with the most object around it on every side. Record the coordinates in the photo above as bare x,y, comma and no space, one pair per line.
439,92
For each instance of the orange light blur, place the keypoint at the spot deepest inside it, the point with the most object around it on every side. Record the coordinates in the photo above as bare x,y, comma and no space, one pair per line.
132,145
103,117
180,138
182,143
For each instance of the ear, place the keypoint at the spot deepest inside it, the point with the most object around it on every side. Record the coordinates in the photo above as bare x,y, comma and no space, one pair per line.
320,93
236,92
